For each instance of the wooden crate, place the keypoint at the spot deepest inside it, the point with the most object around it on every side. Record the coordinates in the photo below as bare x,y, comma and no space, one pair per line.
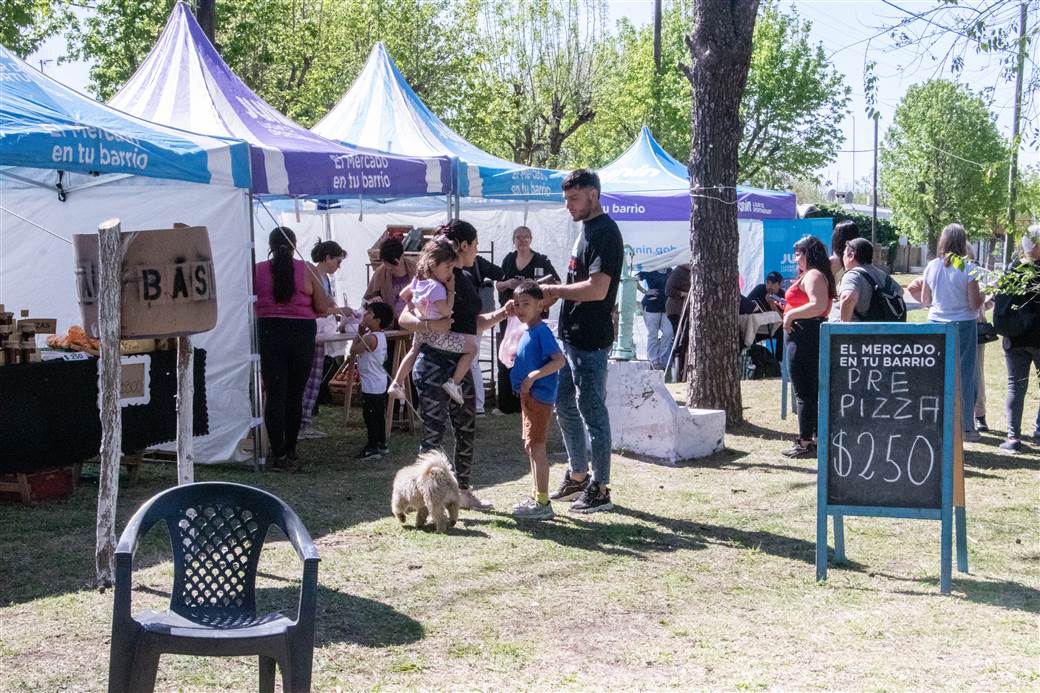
58,482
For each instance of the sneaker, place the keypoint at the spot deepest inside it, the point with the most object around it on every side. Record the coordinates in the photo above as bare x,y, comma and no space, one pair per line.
454,391
980,424
480,413
497,412
531,509
1012,445
569,488
972,437
311,432
798,451
396,391
594,499
469,501
368,453
384,449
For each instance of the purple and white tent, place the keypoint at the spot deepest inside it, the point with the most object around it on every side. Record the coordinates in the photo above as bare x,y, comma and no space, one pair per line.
647,192
185,83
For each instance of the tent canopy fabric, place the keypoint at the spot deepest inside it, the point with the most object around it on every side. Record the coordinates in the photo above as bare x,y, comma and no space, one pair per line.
646,183
44,124
185,83
380,110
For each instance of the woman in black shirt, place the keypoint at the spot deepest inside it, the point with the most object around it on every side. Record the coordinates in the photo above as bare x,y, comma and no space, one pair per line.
433,366
522,263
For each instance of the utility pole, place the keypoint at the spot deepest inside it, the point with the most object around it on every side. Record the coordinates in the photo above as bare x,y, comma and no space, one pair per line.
873,218
1016,119
854,152
657,36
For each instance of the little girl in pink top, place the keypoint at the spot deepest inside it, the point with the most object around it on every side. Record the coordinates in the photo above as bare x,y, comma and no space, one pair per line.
432,292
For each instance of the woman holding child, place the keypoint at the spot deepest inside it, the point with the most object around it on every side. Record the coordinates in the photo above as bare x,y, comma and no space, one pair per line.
434,366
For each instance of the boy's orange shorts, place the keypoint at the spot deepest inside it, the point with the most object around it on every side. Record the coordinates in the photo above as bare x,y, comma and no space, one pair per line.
536,417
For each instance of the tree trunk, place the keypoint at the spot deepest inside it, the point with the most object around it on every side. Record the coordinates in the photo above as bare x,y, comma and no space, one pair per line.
720,55
206,14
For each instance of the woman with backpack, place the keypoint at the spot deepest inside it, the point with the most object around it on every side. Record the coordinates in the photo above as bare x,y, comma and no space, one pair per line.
1017,316
952,295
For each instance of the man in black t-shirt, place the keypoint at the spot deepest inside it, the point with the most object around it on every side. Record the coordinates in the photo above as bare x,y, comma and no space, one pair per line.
764,295
587,332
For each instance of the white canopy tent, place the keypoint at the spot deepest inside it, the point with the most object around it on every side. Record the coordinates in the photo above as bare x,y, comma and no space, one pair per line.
109,164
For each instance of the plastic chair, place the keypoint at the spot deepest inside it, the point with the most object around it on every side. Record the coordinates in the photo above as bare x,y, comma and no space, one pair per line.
217,531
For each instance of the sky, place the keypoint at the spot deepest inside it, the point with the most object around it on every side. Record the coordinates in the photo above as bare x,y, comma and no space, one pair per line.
843,27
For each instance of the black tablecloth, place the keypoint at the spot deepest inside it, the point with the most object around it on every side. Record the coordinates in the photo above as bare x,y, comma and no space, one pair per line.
49,415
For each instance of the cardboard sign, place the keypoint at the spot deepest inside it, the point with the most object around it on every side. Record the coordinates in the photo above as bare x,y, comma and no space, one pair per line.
889,431
42,325
135,381
168,283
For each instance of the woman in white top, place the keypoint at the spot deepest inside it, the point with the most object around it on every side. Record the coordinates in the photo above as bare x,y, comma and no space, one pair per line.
953,295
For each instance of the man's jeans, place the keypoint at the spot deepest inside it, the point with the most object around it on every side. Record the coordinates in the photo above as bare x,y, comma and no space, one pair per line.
581,410
658,338
1018,360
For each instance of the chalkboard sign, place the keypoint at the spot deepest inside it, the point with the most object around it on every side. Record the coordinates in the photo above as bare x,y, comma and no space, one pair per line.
886,416
888,431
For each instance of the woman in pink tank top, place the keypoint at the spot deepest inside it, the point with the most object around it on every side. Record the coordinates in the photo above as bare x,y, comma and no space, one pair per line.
288,299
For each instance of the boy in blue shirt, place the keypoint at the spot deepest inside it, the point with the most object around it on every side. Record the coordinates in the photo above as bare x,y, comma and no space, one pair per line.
533,376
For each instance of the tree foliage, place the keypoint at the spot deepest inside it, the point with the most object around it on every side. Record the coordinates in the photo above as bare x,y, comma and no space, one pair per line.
791,111
540,56
942,161
26,24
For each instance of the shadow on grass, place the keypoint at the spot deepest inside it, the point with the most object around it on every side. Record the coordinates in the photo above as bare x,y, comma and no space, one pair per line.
997,460
730,459
1006,594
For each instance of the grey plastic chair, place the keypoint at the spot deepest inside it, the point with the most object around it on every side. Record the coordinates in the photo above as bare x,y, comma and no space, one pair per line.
217,531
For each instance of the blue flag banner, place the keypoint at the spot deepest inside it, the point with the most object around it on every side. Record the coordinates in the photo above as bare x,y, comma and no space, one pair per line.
780,235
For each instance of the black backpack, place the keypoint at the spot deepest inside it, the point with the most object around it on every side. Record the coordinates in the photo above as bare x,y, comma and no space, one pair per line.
763,363
886,303
1009,317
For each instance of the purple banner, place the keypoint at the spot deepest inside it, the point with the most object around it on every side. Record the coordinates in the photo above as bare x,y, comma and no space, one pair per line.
751,204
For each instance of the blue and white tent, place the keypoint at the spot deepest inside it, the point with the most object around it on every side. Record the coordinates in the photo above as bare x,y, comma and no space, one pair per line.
647,191
44,124
185,83
67,163
381,111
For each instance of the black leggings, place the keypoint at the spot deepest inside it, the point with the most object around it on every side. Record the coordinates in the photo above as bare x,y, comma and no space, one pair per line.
803,344
286,353
680,347
374,411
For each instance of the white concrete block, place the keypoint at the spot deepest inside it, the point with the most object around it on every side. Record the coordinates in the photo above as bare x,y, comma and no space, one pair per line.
646,420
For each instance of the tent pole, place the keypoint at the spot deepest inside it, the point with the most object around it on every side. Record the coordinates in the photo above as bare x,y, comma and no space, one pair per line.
256,385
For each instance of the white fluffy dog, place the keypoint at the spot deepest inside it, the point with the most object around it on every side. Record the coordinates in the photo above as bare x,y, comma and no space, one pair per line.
429,488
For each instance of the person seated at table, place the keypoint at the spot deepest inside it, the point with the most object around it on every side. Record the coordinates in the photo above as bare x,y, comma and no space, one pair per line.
767,295
391,276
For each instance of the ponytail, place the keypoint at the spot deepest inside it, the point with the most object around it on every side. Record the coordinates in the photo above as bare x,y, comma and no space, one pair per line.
282,242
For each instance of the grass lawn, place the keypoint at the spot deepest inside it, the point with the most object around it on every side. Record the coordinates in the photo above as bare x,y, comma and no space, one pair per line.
702,578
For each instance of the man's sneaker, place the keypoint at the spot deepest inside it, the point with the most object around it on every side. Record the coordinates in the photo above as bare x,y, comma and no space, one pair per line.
454,391
980,424
384,449
469,501
396,391
497,412
569,488
368,453
531,509
1012,445
480,413
594,499
798,451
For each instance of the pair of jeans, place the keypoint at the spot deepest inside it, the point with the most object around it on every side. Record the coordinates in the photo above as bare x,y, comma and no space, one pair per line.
581,410
1018,360
967,343
373,410
432,369
803,353
658,338
286,358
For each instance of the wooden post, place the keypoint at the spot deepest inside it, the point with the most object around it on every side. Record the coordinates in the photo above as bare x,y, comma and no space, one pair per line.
110,298
185,411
